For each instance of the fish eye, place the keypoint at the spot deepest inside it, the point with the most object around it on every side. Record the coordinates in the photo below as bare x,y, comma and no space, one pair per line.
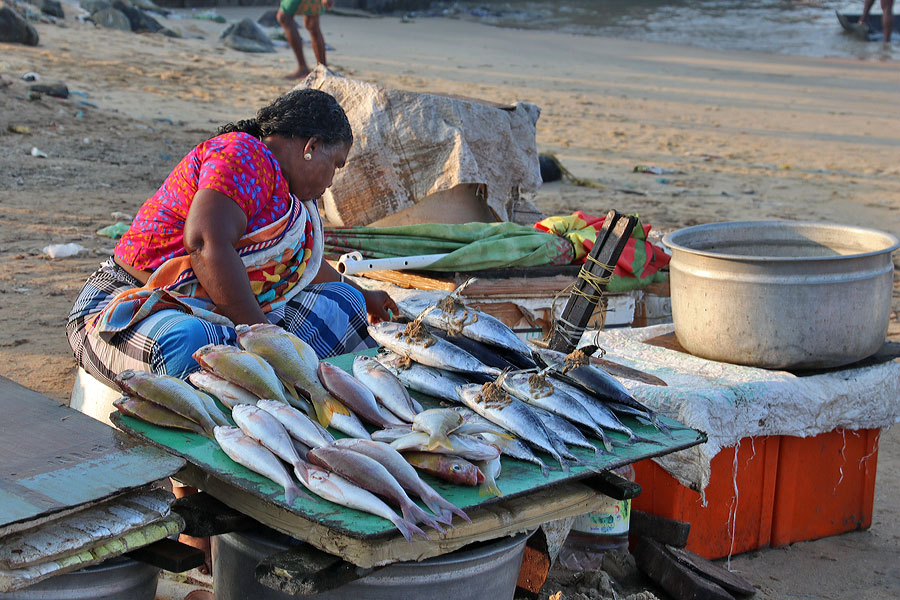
456,468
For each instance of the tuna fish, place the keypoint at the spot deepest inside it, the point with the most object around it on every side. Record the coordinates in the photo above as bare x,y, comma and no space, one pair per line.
168,392
567,432
419,378
443,466
389,391
371,475
246,451
405,475
298,425
336,489
428,349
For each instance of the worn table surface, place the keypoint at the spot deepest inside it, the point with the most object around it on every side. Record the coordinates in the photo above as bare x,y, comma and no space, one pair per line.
332,527
56,459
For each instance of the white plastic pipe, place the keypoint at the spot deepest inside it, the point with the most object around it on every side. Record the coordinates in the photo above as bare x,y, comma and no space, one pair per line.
353,263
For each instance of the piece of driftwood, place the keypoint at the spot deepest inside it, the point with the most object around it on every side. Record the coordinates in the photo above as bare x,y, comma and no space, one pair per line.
169,555
536,563
666,531
614,486
583,300
204,516
730,581
306,571
679,581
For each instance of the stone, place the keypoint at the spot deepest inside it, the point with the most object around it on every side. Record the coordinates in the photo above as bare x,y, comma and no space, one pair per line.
268,18
247,36
94,6
49,7
14,29
57,90
111,18
140,21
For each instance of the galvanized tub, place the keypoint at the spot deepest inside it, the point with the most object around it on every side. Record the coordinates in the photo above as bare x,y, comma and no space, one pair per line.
119,578
484,571
781,294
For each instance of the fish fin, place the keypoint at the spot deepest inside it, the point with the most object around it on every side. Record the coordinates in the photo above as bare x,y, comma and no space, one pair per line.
545,470
439,441
324,409
291,492
458,511
289,388
637,438
408,529
489,488
416,514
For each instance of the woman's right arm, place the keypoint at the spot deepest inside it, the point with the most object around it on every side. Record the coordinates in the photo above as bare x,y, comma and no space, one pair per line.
213,226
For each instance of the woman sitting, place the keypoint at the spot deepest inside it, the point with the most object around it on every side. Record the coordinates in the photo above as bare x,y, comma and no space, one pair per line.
232,236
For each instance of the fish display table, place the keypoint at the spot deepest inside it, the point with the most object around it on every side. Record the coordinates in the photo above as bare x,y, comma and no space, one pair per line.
529,499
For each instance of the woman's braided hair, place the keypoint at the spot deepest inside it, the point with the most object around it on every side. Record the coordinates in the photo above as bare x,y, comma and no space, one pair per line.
299,113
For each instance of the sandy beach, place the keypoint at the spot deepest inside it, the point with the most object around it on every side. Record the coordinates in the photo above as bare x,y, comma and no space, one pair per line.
741,135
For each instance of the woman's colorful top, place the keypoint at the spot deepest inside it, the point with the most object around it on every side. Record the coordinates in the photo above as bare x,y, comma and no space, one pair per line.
235,164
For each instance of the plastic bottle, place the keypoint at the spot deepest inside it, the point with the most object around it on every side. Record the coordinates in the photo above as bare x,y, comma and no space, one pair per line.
596,532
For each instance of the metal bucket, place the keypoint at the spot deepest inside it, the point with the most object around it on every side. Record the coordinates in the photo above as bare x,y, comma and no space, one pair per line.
483,571
115,579
781,294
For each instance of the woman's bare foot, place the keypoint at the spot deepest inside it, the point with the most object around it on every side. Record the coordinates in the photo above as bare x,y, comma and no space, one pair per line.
298,74
200,595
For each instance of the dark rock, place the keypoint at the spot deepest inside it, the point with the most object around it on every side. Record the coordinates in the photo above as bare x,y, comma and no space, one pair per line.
550,171
57,90
268,19
94,6
14,29
111,19
49,7
246,36
140,21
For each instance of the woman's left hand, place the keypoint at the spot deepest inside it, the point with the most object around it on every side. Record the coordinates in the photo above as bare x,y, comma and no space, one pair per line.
378,303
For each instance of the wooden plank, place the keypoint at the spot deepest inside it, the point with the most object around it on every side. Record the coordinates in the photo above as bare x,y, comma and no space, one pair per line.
678,580
169,555
535,567
56,458
666,531
608,246
614,486
723,577
538,287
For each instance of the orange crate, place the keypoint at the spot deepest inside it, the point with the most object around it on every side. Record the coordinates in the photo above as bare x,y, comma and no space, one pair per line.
748,517
825,485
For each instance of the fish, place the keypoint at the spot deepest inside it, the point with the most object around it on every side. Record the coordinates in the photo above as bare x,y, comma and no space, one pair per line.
537,389
430,350
391,433
228,393
168,392
353,394
594,379
464,446
437,423
335,488
444,466
453,316
157,415
369,474
495,405
567,432
267,430
389,391
297,424
419,378
246,451
245,369
296,363
405,475
483,352
491,470
515,448
650,416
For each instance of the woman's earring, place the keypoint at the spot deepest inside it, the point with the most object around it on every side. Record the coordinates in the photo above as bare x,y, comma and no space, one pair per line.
307,156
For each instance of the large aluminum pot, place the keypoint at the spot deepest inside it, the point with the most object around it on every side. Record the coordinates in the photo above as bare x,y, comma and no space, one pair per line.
118,578
781,294
482,571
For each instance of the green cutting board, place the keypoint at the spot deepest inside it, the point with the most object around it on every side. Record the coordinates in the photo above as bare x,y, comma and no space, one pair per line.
516,479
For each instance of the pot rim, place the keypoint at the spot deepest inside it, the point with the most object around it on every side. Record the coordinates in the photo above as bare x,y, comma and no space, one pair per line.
671,240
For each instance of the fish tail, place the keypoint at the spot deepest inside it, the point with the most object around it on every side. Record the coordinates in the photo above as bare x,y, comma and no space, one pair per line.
545,470
489,488
408,529
291,492
607,444
413,513
439,441
443,514
323,408
637,438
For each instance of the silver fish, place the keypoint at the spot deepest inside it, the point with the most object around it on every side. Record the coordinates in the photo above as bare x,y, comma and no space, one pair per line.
354,395
542,392
464,446
385,385
419,378
491,471
566,431
514,415
228,393
168,392
370,474
405,475
432,352
246,451
513,447
267,430
336,489
298,425
454,317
